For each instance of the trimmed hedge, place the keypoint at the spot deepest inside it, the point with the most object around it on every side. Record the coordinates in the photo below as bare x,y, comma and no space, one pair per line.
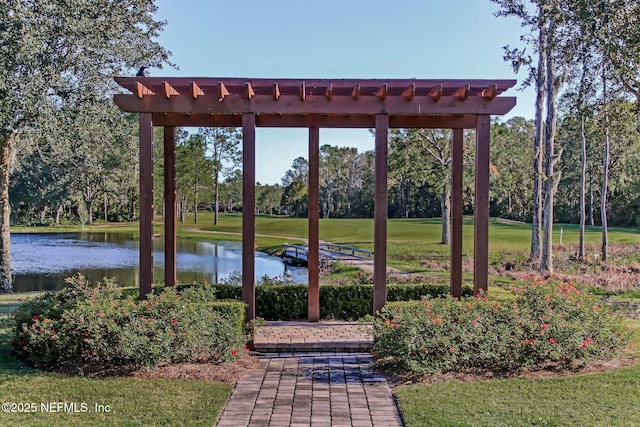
344,302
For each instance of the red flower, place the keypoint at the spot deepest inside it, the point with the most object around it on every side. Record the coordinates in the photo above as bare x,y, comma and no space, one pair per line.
586,342
552,341
234,352
36,317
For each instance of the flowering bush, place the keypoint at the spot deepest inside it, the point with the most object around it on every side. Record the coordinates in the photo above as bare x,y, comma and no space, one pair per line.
98,326
548,323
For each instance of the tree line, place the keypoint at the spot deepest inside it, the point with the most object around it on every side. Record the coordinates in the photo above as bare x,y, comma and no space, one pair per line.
98,181
68,154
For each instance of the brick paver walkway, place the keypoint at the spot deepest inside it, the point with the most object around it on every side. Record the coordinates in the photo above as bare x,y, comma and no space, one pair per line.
304,388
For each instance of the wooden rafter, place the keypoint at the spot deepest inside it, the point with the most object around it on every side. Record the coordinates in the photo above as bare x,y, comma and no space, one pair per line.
276,91
462,93
382,92
236,85
222,91
329,91
490,92
141,90
248,91
435,93
410,92
169,90
195,90
355,93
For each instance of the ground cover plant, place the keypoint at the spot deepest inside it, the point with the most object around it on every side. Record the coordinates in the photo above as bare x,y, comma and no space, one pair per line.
99,326
547,324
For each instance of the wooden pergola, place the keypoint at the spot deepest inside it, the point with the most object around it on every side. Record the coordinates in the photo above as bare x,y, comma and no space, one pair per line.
314,103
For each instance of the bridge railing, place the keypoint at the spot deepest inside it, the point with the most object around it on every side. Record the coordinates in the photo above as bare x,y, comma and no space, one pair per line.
347,250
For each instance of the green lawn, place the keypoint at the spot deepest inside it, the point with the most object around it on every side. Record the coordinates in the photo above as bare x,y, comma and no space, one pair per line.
603,399
131,401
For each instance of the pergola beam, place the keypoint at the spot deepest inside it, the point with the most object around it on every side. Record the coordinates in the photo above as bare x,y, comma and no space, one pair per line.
313,104
319,120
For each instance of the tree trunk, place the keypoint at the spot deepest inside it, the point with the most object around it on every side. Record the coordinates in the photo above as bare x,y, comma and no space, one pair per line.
216,203
5,214
43,213
195,207
605,169
583,185
445,206
105,207
536,219
90,212
591,220
550,159
59,212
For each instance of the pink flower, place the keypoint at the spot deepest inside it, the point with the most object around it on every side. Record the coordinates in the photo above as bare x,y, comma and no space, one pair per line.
100,314
552,341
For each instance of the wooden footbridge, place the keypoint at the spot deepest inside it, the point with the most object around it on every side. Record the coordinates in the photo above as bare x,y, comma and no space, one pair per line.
329,252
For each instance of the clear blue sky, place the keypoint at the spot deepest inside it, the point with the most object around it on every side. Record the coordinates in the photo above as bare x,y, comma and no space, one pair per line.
336,39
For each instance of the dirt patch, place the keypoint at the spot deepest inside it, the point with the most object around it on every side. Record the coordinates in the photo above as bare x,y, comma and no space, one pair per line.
228,372
549,371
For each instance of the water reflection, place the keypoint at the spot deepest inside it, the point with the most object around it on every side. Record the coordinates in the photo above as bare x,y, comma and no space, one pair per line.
43,261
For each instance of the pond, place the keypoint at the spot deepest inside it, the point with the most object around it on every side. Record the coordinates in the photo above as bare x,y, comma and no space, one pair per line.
43,261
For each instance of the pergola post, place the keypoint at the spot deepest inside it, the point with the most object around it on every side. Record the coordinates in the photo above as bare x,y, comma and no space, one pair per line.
313,258
145,136
481,212
248,213
456,212
380,214
169,206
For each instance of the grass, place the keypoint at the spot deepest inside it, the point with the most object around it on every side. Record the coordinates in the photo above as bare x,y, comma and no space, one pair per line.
131,401
602,399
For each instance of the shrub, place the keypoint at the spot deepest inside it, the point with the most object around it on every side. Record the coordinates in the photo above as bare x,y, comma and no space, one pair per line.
345,302
548,323
98,326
